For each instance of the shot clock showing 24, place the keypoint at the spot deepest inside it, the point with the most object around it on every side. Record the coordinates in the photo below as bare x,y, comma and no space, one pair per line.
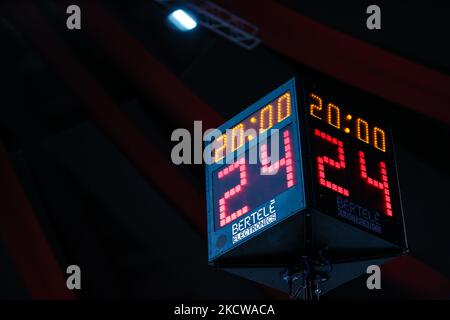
334,183
354,166
241,201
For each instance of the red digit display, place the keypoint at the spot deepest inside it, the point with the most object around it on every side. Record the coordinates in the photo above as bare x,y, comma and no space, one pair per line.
337,164
286,161
382,185
233,192
241,187
353,163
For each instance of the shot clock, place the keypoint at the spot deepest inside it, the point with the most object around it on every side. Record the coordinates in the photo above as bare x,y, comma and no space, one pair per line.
244,198
352,159
334,184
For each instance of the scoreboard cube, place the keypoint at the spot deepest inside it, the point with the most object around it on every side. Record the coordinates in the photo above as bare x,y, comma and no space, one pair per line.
302,176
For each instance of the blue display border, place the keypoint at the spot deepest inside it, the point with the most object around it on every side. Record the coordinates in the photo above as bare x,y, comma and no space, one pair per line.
293,200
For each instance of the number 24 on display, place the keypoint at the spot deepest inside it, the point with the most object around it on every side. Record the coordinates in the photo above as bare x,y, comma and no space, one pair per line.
339,164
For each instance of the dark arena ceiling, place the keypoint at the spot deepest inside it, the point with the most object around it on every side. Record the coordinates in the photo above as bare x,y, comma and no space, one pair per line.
86,119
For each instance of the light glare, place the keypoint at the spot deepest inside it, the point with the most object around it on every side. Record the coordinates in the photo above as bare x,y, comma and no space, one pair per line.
182,21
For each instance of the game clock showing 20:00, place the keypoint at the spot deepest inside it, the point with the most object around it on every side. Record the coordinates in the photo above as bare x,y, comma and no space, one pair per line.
244,198
351,158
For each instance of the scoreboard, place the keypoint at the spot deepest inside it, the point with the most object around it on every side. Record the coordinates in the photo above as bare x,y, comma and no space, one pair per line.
243,201
354,171
333,182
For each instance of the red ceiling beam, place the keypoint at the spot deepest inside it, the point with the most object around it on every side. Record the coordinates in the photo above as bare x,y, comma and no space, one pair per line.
417,278
348,59
25,241
115,123
147,74
96,101
107,114
98,23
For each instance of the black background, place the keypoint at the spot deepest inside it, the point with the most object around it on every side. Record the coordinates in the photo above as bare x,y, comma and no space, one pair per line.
96,208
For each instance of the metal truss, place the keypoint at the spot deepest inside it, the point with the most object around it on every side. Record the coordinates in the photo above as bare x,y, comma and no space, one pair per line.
221,21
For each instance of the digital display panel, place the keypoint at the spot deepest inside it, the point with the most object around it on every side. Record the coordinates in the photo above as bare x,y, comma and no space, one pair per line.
349,154
353,165
274,112
245,198
239,188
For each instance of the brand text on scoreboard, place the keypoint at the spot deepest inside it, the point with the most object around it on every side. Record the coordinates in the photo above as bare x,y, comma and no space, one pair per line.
254,222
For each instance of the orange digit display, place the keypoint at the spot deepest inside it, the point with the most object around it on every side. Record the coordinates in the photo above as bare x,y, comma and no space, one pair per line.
284,102
275,112
379,139
362,130
266,118
336,118
237,136
353,163
315,106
